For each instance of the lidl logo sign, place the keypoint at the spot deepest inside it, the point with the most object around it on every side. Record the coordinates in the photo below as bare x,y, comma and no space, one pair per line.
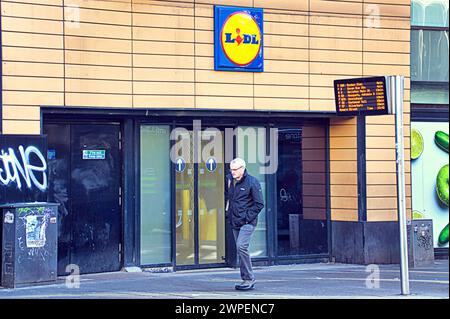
241,39
238,42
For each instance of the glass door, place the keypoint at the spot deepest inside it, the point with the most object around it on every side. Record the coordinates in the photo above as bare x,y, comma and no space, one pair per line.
199,182
211,200
185,201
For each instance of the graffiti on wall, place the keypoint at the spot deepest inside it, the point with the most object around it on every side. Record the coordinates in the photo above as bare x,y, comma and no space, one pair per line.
17,168
23,168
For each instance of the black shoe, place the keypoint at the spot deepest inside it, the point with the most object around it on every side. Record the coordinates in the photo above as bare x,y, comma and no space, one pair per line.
246,285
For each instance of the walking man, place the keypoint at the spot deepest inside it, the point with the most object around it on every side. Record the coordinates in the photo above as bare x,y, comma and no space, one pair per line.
244,201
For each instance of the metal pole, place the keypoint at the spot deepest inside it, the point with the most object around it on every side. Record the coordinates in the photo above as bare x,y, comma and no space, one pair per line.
397,86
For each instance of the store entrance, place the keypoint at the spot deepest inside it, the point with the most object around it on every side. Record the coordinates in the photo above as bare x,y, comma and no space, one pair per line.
199,199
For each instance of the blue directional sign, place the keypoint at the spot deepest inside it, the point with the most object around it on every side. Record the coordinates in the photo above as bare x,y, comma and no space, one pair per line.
180,165
211,164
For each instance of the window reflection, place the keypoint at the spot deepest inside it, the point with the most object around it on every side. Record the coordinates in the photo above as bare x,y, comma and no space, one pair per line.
211,202
251,142
155,195
432,13
429,52
301,187
184,209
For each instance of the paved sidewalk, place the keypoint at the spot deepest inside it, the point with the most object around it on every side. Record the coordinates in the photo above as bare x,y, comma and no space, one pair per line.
277,282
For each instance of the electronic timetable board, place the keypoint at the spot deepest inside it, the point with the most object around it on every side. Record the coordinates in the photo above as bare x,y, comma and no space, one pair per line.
362,96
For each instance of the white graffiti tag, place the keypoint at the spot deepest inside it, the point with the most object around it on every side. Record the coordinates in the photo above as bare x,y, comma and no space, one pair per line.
13,169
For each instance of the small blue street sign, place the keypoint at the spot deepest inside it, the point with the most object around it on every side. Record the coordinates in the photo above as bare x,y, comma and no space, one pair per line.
180,165
211,164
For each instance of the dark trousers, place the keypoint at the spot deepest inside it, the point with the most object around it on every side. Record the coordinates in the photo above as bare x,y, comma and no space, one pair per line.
242,238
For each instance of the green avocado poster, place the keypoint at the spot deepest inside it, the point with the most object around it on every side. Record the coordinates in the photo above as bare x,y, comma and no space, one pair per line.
429,177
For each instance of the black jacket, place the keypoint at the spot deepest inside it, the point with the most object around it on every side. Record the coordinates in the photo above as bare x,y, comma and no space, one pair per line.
245,200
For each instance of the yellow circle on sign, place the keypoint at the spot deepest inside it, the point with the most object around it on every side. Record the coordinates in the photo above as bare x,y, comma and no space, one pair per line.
241,38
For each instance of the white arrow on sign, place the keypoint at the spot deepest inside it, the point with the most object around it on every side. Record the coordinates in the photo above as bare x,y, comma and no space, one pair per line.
211,162
180,163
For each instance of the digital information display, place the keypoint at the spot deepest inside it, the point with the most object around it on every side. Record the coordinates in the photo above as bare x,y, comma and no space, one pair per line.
362,96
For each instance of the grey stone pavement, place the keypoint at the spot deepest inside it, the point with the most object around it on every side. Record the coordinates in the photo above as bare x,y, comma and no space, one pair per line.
304,281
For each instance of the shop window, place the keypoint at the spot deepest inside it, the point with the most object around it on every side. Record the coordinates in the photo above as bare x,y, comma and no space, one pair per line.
155,195
430,13
301,190
429,52
251,142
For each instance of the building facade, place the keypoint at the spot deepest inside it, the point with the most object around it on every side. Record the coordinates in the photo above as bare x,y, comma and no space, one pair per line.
109,82
429,112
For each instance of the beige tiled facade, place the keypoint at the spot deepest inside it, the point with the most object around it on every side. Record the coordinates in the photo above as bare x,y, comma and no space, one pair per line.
159,54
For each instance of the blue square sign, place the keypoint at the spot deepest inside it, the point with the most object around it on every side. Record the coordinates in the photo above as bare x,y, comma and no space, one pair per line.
238,39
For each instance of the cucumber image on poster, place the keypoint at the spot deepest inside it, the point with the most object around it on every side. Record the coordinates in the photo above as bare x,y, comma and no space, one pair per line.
442,185
441,139
443,236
